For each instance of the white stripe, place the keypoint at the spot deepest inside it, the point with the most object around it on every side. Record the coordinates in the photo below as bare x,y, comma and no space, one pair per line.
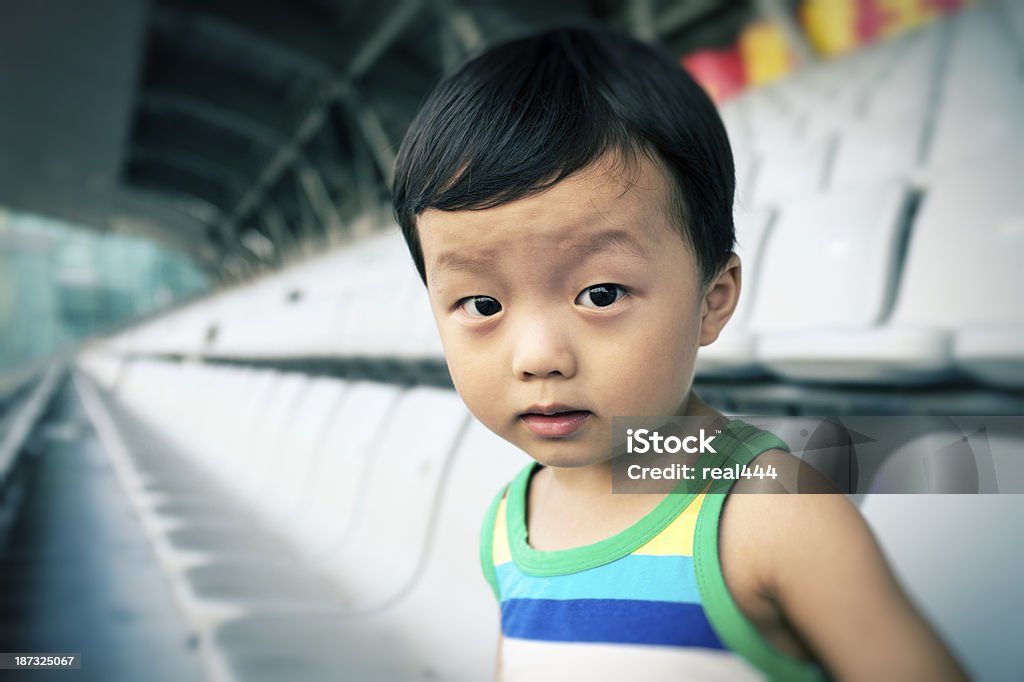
538,661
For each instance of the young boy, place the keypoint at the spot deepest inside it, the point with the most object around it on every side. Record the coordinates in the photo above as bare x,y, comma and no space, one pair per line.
567,199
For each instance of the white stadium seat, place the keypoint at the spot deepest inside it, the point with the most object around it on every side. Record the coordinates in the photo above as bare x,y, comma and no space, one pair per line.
420,628
959,271
408,463
339,484
829,269
732,354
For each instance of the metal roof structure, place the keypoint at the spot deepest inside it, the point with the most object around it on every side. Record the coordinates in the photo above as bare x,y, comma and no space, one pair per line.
248,134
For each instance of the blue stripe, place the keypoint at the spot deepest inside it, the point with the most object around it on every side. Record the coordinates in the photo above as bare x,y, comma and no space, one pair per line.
621,621
667,578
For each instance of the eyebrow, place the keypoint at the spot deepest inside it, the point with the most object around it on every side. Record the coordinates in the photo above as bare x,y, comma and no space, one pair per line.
580,250
609,240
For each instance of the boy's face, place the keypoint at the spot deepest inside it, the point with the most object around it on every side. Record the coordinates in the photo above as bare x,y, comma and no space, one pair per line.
584,296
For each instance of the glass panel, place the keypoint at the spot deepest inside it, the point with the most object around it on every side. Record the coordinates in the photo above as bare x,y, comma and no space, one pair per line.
60,283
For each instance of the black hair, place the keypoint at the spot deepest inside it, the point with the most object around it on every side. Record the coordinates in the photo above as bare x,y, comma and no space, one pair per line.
524,115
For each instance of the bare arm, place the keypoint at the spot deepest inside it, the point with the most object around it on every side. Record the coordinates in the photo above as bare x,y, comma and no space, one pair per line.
827,573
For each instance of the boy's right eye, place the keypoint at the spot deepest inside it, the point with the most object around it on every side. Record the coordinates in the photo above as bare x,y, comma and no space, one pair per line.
480,306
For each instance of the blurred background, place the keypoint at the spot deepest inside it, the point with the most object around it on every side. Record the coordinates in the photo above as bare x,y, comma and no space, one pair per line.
229,444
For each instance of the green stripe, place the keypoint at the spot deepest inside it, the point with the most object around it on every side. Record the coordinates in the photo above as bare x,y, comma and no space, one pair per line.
560,562
735,631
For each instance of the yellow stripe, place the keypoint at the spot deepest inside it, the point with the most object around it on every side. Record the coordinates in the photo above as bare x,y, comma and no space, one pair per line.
677,538
500,552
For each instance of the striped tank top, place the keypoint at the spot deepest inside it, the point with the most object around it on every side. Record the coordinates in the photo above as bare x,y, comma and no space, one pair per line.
649,603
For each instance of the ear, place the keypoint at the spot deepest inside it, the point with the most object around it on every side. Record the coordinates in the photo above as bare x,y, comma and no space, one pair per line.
720,298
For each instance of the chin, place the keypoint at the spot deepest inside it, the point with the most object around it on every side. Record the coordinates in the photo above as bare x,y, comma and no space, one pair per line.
561,457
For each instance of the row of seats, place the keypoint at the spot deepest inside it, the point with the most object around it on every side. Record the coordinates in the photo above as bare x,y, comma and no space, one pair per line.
906,108
349,546
882,275
876,283
362,301
377,492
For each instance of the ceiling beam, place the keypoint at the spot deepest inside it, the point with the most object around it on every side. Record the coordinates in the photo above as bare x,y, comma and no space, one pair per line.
314,119
220,115
679,15
212,170
271,31
372,130
179,176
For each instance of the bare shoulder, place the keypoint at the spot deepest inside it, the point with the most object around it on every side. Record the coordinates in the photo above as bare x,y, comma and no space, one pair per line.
759,512
751,530
784,473
772,521
812,563
776,527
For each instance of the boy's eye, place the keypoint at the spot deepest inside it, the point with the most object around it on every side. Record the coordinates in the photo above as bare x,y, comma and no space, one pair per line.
480,306
601,295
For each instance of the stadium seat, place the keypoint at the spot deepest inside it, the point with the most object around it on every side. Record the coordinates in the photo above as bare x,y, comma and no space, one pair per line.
792,171
829,268
340,482
867,152
982,94
732,354
993,355
400,499
287,478
421,628
959,271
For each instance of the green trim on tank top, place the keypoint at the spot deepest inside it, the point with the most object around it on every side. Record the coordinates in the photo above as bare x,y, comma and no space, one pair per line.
728,621
736,632
560,562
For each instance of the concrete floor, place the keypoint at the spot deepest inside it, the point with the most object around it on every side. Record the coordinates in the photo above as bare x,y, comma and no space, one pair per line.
78,574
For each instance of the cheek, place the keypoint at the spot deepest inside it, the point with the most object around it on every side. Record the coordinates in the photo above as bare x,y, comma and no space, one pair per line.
474,373
651,370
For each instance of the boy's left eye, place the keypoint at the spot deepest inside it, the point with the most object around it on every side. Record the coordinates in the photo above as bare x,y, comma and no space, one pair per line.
601,295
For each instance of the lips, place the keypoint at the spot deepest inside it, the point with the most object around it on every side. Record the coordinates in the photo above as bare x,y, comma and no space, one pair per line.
552,422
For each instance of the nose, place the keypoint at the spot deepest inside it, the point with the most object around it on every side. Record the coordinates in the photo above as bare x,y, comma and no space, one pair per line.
542,347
